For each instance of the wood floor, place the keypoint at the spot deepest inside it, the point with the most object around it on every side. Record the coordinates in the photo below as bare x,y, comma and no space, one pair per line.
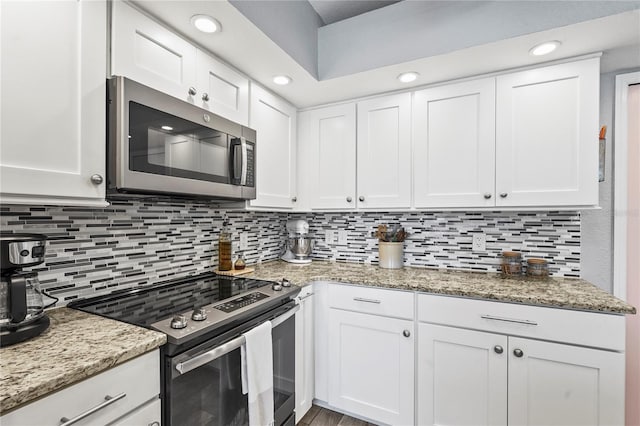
317,416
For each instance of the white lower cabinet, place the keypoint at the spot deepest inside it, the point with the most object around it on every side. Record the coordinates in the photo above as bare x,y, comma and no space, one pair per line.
462,379
473,377
371,356
126,394
304,352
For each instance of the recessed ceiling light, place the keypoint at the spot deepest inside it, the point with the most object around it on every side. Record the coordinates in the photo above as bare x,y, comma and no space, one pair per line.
168,128
206,23
282,80
544,48
408,77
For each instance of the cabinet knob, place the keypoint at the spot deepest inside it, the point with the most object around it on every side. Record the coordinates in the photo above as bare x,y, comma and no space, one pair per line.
349,199
154,423
192,91
498,349
487,195
406,333
97,179
205,97
518,353
361,198
503,194
294,199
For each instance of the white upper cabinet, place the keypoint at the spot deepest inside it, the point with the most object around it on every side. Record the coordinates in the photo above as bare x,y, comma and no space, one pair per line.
221,89
327,154
52,135
454,145
275,123
547,136
384,152
148,53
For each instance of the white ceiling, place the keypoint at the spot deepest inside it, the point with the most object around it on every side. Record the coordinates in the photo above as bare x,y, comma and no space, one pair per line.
245,47
331,11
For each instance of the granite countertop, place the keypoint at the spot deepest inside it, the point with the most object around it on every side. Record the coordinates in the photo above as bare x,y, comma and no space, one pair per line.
76,346
567,293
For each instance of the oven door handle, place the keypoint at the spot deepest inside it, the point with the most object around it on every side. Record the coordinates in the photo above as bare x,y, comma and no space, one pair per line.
200,360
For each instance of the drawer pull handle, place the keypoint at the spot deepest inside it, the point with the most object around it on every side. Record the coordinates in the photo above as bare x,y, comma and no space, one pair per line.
305,296
362,299
517,321
108,401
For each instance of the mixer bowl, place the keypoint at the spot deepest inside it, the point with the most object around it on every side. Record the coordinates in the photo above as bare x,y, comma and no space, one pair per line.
300,247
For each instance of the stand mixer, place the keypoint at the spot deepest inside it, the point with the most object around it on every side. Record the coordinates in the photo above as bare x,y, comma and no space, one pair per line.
299,244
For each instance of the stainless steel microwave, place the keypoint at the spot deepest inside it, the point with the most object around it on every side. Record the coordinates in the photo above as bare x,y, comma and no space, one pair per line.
158,145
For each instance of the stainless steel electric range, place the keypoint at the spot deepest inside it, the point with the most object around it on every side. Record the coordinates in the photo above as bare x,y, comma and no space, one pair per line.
204,318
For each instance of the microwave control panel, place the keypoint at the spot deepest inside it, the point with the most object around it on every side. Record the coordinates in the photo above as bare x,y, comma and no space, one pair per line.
251,161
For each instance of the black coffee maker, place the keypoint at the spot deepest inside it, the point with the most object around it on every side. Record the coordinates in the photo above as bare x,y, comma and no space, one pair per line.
22,314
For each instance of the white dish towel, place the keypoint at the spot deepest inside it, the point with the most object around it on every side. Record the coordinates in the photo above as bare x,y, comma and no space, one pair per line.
257,374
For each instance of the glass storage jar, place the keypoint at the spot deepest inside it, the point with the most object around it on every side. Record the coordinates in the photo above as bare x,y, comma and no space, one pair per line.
511,263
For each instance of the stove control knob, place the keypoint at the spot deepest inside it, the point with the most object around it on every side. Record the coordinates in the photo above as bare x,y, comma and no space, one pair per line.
178,322
285,283
276,287
199,314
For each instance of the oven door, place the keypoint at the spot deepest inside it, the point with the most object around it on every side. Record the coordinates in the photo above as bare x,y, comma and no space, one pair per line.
204,384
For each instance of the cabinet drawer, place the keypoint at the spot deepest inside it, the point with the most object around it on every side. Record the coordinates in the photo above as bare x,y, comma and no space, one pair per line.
575,327
148,415
390,303
138,380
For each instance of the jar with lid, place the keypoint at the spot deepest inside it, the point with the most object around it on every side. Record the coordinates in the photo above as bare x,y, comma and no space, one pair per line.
537,268
224,249
511,263
240,263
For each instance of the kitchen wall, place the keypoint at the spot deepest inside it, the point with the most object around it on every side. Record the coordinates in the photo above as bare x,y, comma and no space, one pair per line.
443,239
92,251
597,225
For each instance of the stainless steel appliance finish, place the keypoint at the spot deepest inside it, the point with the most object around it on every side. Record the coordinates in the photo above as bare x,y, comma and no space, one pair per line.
159,145
21,301
298,244
201,363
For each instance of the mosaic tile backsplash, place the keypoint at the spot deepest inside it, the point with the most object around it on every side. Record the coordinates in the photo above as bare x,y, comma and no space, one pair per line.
129,243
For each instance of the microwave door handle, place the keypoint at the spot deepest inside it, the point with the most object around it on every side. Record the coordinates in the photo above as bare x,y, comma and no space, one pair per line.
236,161
243,150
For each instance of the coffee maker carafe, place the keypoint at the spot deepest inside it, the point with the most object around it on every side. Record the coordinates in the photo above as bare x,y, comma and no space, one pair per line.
21,303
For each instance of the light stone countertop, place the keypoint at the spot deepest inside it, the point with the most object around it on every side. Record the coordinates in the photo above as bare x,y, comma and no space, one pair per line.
76,346
566,293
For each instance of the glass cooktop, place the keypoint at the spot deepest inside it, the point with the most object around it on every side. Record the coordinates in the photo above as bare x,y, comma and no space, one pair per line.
146,305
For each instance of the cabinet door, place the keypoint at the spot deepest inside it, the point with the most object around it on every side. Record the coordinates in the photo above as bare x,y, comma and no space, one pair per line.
275,123
555,384
328,156
454,145
371,366
148,53
547,136
462,377
226,90
304,353
384,152
52,130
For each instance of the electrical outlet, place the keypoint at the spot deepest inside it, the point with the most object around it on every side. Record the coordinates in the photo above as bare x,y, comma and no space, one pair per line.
479,242
244,241
329,236
342,237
